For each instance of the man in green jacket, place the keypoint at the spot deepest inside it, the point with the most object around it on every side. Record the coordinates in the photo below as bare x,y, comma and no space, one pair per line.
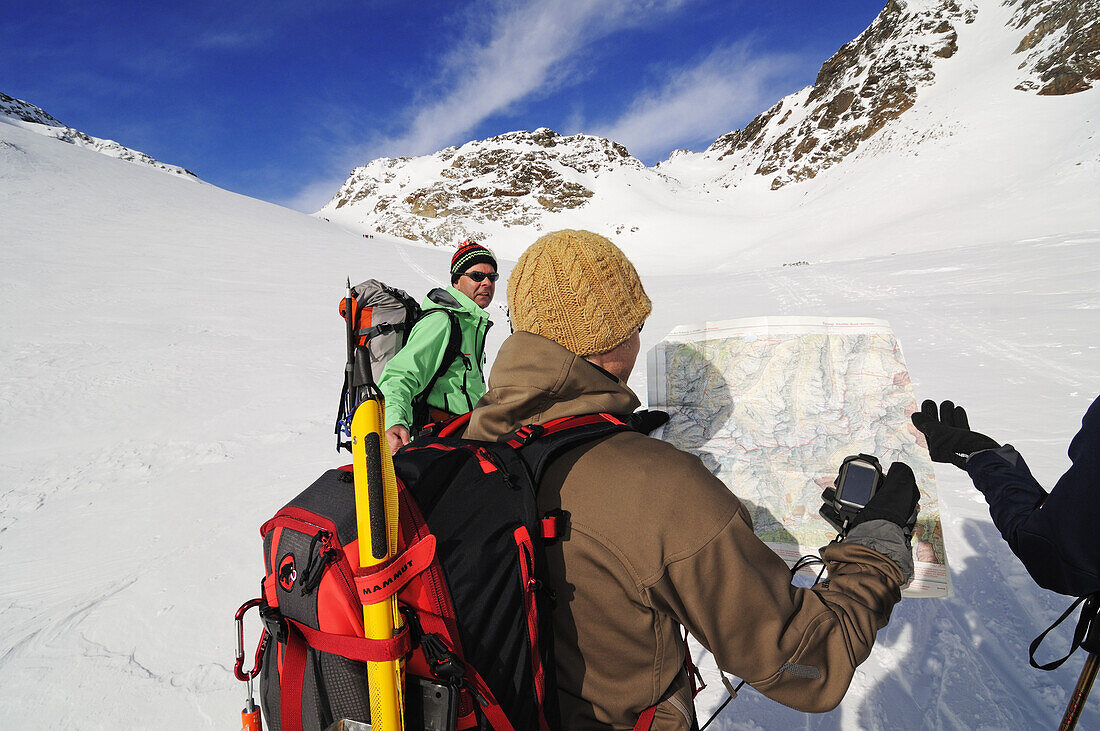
462,383
655,542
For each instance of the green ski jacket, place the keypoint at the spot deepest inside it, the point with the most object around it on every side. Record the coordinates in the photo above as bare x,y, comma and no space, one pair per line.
408,372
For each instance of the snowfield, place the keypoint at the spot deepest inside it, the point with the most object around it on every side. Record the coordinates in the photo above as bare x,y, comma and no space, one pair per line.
171,359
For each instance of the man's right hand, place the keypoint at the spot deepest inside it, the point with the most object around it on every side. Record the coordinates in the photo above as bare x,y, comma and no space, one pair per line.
948,433
397,436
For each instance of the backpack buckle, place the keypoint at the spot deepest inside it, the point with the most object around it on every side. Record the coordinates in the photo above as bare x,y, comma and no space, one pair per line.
274,623
525,434
442,662
553,525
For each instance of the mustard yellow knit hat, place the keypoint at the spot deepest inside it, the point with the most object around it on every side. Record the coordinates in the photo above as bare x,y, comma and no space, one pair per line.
579,290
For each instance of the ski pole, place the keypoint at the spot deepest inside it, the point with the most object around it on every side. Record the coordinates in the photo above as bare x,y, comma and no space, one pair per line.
1089,633
349,320
376,517
1080,693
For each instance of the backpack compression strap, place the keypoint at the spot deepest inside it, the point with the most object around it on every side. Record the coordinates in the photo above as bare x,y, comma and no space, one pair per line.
301,637
381,581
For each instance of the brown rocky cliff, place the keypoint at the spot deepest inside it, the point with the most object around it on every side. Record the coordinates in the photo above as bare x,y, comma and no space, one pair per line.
862,87
1062,45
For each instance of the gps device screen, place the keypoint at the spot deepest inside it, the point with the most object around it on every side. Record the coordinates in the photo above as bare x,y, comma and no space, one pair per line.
858,485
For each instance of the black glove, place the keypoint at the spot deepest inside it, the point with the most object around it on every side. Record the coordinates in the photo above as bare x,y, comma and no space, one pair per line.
896,501
646,421
829,512
949,436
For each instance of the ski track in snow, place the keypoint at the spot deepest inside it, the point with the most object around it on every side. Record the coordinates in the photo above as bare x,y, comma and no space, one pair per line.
403,253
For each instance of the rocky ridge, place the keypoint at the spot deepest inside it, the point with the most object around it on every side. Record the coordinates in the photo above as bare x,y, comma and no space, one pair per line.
512,179
867,83
1062,46
40,121
877,77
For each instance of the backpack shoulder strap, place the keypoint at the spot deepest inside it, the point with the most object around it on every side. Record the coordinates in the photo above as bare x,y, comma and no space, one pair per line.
442,297
540,444
454,346
451,352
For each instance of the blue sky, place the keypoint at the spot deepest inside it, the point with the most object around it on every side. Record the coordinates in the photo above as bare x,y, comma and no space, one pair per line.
279,100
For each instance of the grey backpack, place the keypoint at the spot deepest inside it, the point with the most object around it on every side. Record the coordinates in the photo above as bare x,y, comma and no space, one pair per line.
381,319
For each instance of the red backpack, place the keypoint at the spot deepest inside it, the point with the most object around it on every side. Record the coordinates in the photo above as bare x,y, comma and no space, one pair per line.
469,577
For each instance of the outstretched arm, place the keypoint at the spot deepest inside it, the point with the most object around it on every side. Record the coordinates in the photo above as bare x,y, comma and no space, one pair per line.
1053,535
797,646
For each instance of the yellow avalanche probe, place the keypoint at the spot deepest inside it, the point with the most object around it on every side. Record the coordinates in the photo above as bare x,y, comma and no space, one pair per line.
376,516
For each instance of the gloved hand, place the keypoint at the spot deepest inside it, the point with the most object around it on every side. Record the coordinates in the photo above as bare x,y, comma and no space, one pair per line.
896,501
948,433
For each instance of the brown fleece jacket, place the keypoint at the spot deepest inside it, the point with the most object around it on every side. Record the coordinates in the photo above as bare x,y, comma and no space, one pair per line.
655,541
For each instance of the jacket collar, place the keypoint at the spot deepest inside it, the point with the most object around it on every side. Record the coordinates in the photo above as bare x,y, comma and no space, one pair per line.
534,380
453,299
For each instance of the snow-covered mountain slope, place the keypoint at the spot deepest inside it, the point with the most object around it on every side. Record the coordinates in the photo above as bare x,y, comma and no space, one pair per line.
938,108
880,75
24,114
171,356
468,191
864,86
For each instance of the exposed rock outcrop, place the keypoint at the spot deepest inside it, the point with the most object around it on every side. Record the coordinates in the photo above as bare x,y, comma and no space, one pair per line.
1062,47
512,179
866,84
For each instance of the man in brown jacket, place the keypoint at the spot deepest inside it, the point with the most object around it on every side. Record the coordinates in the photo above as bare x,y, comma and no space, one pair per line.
655,541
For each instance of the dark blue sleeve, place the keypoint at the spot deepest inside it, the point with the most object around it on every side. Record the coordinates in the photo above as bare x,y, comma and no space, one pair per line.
1056,536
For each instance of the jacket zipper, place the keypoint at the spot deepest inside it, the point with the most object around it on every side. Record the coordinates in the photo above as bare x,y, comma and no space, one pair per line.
480,352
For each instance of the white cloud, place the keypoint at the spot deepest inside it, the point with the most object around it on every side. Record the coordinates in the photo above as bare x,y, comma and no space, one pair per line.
508,53
312,196
528,50
699,102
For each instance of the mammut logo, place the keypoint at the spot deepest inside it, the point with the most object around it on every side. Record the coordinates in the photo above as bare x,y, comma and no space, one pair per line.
288,574
388,580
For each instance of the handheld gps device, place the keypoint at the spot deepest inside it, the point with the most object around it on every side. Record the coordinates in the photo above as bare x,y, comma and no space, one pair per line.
859,479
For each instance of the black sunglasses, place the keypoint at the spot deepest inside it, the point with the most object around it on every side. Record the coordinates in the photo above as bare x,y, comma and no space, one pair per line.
482,276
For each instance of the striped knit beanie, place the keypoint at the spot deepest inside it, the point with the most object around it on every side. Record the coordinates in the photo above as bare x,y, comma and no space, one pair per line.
579,290
469,254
